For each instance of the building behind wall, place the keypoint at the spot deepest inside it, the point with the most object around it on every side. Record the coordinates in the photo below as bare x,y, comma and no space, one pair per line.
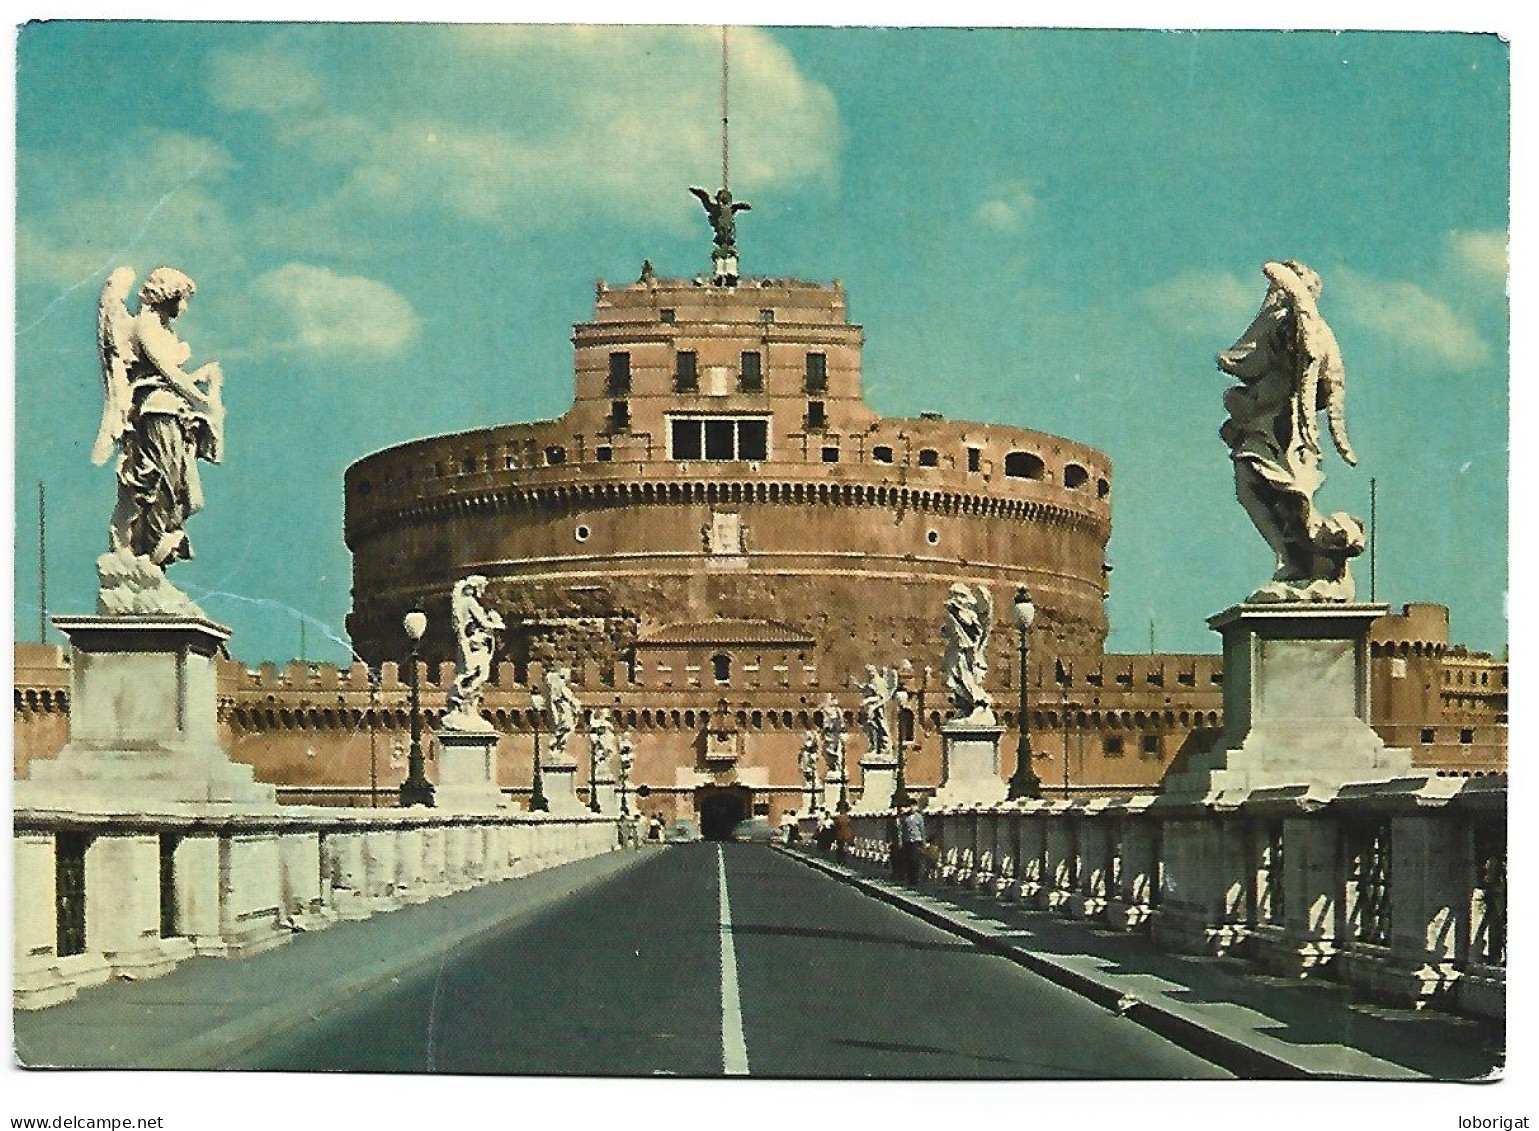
719,534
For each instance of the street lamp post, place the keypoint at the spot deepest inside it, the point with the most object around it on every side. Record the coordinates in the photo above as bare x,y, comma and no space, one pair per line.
537,802
593,797
900,787
1024,782
416,789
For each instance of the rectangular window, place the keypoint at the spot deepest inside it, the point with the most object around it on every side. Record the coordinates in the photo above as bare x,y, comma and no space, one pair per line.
751,375
686,373
619,374
719,439
817,372
1428,735
766,315
830,455
604,454
667,314
753,440
974,459
688,439
620,416
1151,745
817,416
1113,747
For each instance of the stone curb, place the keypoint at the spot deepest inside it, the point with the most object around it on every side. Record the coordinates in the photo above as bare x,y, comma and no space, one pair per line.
1225,1050
218,1047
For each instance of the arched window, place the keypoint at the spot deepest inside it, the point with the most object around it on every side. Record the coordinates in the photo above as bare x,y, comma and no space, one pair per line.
881,454
721,665
1075,476
1024,465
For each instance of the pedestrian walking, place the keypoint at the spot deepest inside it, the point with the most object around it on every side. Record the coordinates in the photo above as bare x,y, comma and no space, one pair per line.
825,833
655,828
844,833
911,844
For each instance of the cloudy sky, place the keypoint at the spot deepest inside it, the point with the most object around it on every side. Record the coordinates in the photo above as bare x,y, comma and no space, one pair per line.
392,229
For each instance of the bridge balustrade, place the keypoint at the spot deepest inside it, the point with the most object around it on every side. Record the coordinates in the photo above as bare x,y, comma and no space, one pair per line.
1396,888
152,889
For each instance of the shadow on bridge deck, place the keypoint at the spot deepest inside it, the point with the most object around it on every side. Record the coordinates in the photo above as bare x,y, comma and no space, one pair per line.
1255,1025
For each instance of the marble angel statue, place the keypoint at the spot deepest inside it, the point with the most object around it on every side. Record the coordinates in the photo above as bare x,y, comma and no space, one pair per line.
475,630
1290,370
160,420
562,706
966,629
876,693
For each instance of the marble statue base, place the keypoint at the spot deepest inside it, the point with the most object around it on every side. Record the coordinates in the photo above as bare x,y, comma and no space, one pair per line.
970,764
1295,705
467,772
878,781
143,723
560,785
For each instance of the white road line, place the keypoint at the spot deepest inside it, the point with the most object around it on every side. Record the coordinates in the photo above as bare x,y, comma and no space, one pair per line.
734,1049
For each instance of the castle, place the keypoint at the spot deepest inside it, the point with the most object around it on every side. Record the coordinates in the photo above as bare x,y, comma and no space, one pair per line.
718,535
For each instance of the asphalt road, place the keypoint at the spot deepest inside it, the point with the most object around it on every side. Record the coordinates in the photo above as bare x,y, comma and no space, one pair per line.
638,976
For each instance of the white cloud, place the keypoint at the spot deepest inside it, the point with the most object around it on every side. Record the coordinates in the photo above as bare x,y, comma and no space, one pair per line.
1007,211
1210,303
1481,253
319,311
270,78
526,126
1419,322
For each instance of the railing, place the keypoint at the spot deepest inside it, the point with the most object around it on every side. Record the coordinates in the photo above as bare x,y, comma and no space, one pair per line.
1398,889
113,895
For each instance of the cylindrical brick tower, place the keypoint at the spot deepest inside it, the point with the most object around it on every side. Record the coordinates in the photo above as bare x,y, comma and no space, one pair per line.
719,466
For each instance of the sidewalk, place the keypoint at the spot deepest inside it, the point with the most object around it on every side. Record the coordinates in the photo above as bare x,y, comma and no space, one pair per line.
209,1011
1255,1025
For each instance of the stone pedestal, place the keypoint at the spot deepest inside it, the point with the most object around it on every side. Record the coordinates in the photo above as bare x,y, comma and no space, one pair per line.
142,721
1295,705
467,771
560,785
879,777
970,769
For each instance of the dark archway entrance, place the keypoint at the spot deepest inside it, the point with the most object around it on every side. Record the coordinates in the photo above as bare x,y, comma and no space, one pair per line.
721,807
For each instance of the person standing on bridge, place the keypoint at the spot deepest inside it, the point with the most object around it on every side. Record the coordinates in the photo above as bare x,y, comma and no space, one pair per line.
844,832
911,843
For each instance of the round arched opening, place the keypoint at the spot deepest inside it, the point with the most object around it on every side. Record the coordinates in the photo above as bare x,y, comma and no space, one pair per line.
721,808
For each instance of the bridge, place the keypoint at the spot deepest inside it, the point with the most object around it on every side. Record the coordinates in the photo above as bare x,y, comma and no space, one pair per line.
1042,944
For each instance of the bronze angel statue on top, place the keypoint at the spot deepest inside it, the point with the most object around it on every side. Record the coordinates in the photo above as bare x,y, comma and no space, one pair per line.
161,420
1290,370
721,210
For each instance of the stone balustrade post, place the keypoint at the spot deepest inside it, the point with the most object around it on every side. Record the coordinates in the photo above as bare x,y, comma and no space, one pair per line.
40,976
381,867
1202,909
1096,846
300,882
1031,846
122,910
1060,877
1132,901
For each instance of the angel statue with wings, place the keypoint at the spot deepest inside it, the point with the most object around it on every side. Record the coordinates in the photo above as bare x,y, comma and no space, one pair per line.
160,418
1289,368
475,629
562,706
722,212
879,689
969,621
